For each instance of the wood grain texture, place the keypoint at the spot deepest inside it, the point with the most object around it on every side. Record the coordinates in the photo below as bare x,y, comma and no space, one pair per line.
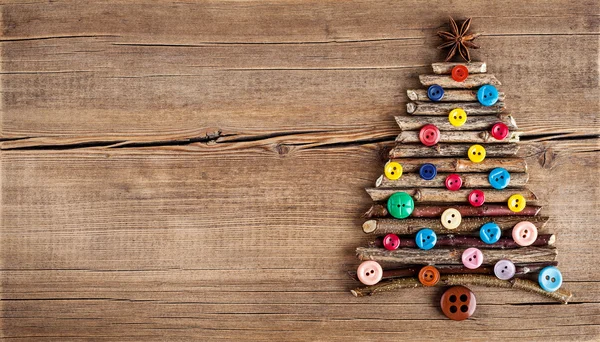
196,170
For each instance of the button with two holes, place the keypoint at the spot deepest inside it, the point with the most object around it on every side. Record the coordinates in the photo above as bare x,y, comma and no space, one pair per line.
490,233
504,269
391,242
426,238
428,171
429,276
476,198
516,203
460,73
369,272
550,278
524,233
487,95
451,218
453,182
400,205
499,178
435,92
472,258
429,135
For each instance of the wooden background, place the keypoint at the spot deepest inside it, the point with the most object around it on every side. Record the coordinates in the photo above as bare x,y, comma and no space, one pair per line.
195,170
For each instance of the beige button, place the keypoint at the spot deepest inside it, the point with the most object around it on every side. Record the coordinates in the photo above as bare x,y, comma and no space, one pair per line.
451,218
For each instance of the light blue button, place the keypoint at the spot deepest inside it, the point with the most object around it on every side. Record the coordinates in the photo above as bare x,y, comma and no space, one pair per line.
487,95
426,238
490,233
499,178
550,278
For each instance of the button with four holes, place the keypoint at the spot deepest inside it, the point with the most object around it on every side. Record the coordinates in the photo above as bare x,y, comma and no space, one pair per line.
490,233
550,278
451,218
476,198
476,153
457,117
472,258
426,238
487,95
400,205
504,269
458,303
391,242
524,233
429,276
392,170
453,182
429,135
428,171
369,272
460,73
500,131
516,203
499,178
435,92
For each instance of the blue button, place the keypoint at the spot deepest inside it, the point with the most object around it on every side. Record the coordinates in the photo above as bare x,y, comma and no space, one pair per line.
428,171
490,233
550,278
435,92
487,95
426,238
499,178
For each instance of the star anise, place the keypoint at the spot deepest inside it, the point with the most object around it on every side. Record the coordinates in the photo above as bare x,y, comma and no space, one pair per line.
458,40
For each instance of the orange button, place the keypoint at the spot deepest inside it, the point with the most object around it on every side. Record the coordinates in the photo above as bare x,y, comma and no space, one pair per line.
429,276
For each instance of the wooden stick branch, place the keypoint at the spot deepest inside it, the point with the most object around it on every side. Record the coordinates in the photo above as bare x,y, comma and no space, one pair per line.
447,82
443,195
379,210
470,241
408,226
463,165
444,108
410,256
470,180
450,95
451,150
479,122
460,137
561,295
446,67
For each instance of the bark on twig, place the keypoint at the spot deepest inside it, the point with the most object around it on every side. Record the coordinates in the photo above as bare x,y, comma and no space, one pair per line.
451,150
447,82
446,67
451,240
475,137
444,108
450,95
463,165
479,122
379,210
443,195
470,180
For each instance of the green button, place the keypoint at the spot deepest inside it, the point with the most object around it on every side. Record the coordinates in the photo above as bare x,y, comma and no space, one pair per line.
400,205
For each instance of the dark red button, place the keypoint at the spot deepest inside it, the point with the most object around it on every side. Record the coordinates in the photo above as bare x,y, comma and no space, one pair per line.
391,242
429,135
453,182
458,303
500,131
460,73
477,198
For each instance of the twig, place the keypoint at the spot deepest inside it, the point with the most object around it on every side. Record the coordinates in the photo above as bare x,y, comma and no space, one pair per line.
379,210
450,95
469,241
442,195
470,180
444,108
451,150
475,137
447,82
479,122
446,67
463,165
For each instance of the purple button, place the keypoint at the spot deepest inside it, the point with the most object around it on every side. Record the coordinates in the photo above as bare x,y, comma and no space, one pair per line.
504,269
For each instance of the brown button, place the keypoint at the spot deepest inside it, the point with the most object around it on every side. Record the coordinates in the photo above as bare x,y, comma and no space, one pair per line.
458,303
429,276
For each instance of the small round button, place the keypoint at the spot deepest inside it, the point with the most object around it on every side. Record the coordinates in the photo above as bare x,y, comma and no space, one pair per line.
393,170
435,92
476,198
550,278
453,182
516,203
460,73
428,171
369,272
476,153
490,233
426,238
487,95
400,205
457,117
500,131
472,258
429,135
524,233
499,178
451,218
391,242
458,303
504,269
429,276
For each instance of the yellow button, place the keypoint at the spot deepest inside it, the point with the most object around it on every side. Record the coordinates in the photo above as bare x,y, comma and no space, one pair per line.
393,170
457,117
451,218
476,153
516,203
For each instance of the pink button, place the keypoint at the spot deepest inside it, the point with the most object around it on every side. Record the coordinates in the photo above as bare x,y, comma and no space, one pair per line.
429,135
453,182
472,258
524,233
369,272
476,198
500,131
391,242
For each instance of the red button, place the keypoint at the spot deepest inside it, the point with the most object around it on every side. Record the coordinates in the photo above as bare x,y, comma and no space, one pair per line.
453,182
476,198
460,73
500,131
429,135
391,242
